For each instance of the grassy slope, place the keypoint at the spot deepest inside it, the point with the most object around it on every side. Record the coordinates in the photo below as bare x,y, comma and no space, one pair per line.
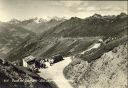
11,36
46,47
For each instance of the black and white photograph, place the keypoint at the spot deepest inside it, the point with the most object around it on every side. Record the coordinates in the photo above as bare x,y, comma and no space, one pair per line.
63,44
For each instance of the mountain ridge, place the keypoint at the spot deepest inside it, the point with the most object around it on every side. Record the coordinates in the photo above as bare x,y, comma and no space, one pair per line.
63,39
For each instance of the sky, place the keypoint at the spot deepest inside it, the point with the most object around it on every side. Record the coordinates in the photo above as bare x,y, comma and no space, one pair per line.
25,9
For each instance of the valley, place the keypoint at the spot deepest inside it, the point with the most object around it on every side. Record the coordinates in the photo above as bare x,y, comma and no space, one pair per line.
93,49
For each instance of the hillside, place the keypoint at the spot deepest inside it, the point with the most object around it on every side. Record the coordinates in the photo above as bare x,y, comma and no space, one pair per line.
95,25
17,77
108,71
71,36
11,36
44,47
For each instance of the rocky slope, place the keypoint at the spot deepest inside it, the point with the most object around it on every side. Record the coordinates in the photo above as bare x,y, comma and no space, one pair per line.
17,77
108,71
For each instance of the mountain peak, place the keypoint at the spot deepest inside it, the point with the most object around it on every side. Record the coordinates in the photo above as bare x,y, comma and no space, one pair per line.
75,18
122,15
39,20
57,19
97,15
14,21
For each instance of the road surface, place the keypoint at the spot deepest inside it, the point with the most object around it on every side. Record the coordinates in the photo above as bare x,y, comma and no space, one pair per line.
55,73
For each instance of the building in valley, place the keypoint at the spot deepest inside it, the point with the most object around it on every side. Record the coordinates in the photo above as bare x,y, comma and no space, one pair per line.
29,62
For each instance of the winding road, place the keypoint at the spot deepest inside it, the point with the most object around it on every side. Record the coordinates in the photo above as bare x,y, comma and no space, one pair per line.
55,73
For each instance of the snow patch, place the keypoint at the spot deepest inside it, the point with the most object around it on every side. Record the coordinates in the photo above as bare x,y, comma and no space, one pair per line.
96,45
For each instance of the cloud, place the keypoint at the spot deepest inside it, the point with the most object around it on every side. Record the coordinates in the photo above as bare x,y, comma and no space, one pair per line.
86,6
23,9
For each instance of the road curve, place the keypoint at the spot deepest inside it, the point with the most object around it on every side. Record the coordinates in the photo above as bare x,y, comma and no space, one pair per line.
55,73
